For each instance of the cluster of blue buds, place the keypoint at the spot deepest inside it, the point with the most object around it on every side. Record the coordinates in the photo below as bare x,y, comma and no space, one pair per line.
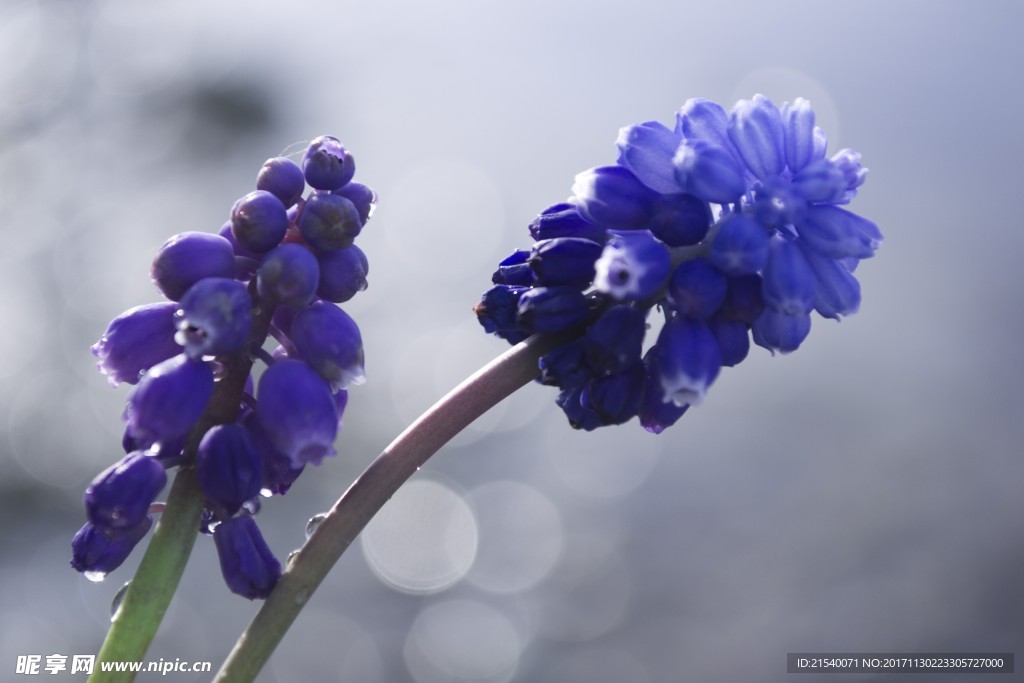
278,266
731,224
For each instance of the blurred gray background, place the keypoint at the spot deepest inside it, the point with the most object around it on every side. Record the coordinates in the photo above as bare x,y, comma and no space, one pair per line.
862,494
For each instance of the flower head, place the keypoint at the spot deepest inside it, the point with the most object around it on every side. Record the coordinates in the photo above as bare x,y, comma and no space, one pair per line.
730,224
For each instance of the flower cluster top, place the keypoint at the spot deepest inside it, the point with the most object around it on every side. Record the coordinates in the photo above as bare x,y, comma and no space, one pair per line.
279,265
730,223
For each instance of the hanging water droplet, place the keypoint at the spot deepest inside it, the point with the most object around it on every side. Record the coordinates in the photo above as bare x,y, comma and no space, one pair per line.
115,604
266,493
251,507
314,522
95,577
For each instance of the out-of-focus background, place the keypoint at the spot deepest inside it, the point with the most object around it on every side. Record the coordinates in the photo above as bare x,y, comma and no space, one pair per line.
862,494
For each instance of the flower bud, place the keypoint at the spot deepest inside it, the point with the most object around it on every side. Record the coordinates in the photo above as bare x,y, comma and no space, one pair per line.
564,261
612,197
616,398
215,317
778,332
259,221
98,551
755,127
688,360
497,312
297,412
697,289
288,276
655,413
249,567
137,340
282,178
564,220
788,279
613,342
326,164
187,258
551,309
328,339
633,266
647,149
229,468
741,245
329,221
120,496
342,273
362,197
168,400
709,172
514,269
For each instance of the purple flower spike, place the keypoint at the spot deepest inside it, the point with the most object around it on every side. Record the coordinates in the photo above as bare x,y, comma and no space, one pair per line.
288,276
297,412
97,552
229,468
249,567
215,317
120,496
326,164
328,339
168,400
137,340
187,258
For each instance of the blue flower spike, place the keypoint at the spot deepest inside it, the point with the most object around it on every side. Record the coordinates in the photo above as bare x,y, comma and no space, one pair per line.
278,266
733,224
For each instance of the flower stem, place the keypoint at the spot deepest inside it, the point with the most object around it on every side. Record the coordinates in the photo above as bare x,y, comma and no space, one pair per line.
365,497
156,580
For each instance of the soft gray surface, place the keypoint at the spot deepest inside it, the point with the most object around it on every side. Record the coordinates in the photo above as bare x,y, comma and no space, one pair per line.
860,494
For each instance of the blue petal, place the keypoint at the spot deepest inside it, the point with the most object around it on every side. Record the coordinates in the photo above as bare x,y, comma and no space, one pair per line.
612,197
633,266
616,398
837,233
688,360
755,127
613,342
798,122
837,292
789,282
709,172
647,150
733,340
655,413
777,332
697,289
701,119
741,246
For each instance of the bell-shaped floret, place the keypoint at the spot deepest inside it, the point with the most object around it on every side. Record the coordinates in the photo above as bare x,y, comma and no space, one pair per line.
297,412
214,318
229,468
249,567
168,400
137,340
328,339
187,258
120,496
633,266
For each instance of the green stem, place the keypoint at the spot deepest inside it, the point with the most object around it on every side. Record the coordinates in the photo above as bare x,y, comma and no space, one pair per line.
446,418
157,578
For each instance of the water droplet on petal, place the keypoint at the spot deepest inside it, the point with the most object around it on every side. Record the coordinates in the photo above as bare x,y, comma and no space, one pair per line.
314,522
95,577
115,604
266,493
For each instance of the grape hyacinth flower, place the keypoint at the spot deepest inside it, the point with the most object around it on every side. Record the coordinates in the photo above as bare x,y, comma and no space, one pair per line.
731,224
280,257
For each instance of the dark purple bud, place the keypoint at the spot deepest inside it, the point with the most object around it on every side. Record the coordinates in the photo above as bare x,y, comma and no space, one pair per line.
616,398
733,340
246,261
741,246
328,339
697,289
97,552
120,496
278,471
168,400
515,269
564,220
551,309
743,299
613,343
229,468
135,341
681,220
565,367
564,261
342,273
580,417
612,197
655,413
259,221
497,310
297,412
362,197
288,276
326,164
329,221
282,178
187,258
248,566
215,317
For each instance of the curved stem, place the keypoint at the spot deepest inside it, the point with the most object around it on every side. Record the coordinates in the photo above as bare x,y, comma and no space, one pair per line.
446,418
156,580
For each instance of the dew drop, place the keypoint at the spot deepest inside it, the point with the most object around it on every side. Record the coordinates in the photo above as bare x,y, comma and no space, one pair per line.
115,604
266,493
291,556
314,522
95,577
251,507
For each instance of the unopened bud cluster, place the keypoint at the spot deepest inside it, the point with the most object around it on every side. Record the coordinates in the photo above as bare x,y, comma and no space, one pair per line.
279,264
730,224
